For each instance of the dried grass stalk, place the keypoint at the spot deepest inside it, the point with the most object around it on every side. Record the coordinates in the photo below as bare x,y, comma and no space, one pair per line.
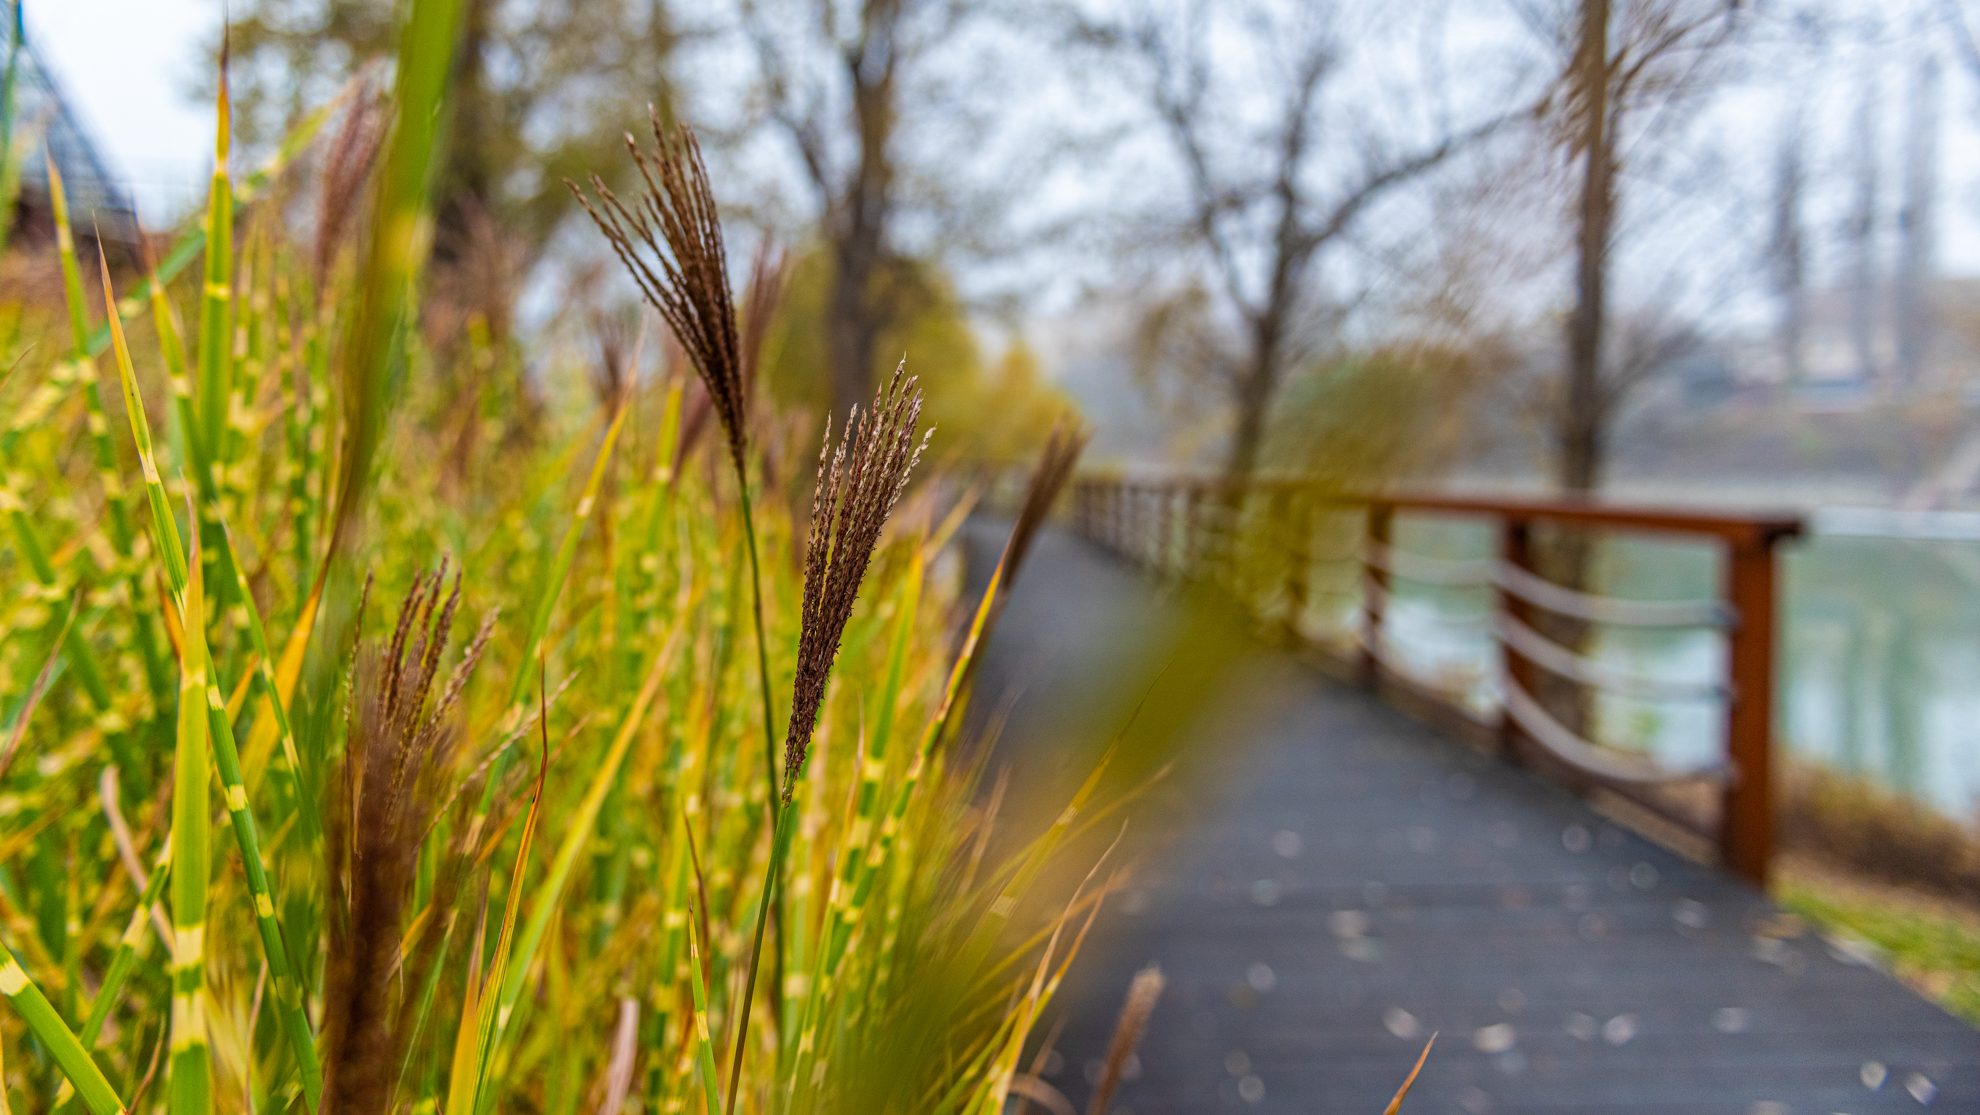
858,485
767,274
670,240
616,370
347,163
1133,1023
1055,466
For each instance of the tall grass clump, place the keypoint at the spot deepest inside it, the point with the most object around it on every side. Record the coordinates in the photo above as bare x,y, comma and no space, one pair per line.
266,845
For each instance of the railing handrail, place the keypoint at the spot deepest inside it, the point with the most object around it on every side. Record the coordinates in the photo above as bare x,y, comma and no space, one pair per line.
1211,513
1733,526
1753,526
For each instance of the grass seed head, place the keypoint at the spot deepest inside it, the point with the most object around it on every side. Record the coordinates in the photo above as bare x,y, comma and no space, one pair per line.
858,485
669,239
767,274
1128,1030
347,164
1055,466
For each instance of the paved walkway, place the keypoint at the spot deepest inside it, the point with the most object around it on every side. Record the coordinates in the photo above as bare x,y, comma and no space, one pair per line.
1340,881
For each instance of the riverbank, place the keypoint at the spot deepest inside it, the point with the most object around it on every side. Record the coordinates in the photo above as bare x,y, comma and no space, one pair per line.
1930,942
1871,867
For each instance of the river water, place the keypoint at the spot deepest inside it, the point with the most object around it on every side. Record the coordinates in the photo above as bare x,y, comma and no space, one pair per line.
1880,645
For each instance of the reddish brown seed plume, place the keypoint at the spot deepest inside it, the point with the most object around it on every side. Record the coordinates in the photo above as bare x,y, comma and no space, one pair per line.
858,485
669,239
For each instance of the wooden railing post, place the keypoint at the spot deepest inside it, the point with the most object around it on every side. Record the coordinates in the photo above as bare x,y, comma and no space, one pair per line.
1123,523
1374,590
1516,552
1747,838
1130,544
1143,517
1213,513
1299,558
1192,530
1171,547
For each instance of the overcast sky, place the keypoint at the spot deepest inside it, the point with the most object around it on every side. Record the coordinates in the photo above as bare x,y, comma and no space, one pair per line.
130,68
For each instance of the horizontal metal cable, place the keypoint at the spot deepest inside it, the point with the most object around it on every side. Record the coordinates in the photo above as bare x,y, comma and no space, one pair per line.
1429,570
1605,763
1575,666
1608,610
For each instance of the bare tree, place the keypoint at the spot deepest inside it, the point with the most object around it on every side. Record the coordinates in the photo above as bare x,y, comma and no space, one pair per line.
1629,69
1960,22
1787,249
843,84
1860,230
541,93
1262,214
1918,230
1630,72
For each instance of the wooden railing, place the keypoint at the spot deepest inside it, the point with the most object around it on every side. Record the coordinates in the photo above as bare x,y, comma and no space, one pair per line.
1259,543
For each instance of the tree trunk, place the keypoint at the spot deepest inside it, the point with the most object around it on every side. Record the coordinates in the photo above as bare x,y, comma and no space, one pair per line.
1253,395
1257,383
466,180
1581,418
859,219
1567,556
853,329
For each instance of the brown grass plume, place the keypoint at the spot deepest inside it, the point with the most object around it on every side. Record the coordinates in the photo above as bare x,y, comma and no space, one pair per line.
1055,466
1133,1023
858,485
670,240
397,762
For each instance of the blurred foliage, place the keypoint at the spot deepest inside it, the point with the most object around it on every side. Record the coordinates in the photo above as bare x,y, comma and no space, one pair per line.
1876,832
1371,416
542,92
989,410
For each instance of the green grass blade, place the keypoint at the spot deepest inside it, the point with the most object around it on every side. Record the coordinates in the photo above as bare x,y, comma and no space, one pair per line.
10,175
578,824
77,1065
183,575
130,947
307,796
560,566
215,385
704,1043
114,496
190,1081
374,352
